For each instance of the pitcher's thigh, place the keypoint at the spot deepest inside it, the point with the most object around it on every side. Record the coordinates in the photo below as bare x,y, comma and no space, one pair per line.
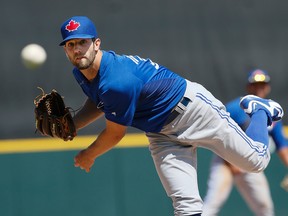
231,143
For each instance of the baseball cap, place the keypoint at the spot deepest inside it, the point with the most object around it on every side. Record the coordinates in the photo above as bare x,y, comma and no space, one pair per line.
258,75
77,27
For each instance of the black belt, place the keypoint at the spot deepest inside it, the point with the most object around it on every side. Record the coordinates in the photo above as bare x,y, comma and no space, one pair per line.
179,109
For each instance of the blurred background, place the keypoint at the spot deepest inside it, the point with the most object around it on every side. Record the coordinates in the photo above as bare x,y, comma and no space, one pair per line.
211,42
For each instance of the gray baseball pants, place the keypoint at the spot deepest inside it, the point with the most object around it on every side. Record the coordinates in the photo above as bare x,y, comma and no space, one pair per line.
205,123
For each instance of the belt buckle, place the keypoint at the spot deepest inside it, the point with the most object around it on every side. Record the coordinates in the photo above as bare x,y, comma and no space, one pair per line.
180,108
182,105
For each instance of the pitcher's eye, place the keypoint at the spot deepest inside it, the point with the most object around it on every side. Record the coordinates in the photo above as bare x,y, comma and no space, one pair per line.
83,42
69,44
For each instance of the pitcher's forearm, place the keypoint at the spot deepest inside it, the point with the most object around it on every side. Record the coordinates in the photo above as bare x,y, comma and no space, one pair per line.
104,142
87,114
107,139
283,154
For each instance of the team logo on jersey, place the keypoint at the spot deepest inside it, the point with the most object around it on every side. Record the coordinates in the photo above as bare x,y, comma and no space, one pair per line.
100,105
72,26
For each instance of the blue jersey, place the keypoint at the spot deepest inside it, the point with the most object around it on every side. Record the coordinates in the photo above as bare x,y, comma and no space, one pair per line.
243,120
132,91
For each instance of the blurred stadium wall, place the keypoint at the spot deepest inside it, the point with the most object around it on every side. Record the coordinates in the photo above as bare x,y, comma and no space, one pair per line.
211,42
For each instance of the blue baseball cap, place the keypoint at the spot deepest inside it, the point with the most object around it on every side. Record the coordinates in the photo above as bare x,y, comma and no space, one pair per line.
258,75
77,27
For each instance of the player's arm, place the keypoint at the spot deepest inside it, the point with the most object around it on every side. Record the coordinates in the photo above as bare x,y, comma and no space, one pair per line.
107,139
283,155
87,114
281,141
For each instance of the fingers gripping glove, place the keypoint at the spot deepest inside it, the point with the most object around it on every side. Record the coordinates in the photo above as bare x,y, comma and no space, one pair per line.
52,117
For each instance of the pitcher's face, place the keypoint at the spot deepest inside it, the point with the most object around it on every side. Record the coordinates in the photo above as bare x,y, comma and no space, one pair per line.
81,52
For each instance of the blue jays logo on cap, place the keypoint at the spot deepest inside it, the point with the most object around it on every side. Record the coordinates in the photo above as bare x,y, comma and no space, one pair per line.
77,27
258,76
72,25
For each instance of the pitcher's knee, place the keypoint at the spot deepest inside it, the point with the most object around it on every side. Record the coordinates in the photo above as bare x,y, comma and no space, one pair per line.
259,164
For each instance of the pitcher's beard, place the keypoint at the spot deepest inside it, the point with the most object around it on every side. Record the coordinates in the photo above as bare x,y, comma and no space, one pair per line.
83,66
87,62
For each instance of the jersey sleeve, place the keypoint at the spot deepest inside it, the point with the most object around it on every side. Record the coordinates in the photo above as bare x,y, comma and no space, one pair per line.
277,134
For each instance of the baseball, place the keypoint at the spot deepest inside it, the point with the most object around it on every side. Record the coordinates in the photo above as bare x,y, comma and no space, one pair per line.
33,56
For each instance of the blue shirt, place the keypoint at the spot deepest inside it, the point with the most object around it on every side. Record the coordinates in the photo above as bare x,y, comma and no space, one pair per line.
133,91
243,120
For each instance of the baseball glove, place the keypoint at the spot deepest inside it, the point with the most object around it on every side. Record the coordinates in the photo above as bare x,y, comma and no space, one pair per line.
52,117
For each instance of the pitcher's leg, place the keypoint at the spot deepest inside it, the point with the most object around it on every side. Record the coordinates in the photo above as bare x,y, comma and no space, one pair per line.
177,168
257,129
215,130
239,149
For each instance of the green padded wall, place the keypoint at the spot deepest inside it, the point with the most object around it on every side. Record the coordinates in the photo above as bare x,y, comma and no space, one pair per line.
122,182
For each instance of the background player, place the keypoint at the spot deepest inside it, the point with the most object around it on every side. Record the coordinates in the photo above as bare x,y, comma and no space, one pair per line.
253,186
177,115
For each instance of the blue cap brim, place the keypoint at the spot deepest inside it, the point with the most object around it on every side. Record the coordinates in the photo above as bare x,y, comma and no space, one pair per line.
76,36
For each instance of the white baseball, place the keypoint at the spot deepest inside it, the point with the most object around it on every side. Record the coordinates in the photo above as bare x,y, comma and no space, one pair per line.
33,56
